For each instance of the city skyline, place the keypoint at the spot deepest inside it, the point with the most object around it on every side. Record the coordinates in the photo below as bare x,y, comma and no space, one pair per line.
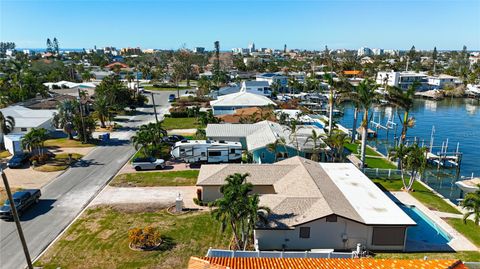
301,25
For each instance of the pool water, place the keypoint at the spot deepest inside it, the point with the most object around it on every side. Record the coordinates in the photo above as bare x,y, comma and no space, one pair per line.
426,234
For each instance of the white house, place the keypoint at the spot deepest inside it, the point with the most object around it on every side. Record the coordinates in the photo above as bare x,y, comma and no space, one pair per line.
315,205
256,87
227,104
273,78
440,81
26,118
402,79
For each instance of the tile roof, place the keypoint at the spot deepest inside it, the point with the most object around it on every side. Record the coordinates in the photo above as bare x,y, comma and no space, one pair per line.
320,263
307,190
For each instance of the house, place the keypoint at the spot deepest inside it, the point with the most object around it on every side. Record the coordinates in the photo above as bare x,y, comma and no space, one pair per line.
70,88
26,118
315,206
256,87
402,79
248,114
117,65
256,137
231,88
317,263
100,74
227,104
440,81
272,78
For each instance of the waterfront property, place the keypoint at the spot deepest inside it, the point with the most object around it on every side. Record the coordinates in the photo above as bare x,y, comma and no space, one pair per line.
228,104
257,137
316,206
256,87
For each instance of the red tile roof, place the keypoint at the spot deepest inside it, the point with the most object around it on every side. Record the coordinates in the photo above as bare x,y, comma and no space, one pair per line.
317,263
112,65
352,72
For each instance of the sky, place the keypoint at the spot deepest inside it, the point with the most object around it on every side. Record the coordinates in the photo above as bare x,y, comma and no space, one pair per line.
302,24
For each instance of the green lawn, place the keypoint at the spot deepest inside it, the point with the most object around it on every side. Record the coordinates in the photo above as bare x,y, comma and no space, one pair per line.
354,146
152,88
155,179
466,256
379,162
66,143
421,193
180,123
469,230
99,239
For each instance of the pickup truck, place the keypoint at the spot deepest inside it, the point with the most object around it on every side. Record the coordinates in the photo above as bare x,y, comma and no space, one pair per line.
23,200
148,163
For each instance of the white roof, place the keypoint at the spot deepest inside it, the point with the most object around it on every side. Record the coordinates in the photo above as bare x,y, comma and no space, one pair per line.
373,206
26,117
242,99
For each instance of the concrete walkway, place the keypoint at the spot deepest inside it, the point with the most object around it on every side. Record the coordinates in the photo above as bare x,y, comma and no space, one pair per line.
182,131
458,242
160,196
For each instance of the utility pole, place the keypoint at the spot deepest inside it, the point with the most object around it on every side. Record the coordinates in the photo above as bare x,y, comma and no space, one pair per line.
81,116
154,108
17,220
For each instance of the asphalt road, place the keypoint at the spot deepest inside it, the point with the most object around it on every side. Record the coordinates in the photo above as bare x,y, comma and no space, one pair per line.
67,195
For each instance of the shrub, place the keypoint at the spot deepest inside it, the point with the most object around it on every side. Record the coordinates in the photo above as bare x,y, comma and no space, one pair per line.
147,237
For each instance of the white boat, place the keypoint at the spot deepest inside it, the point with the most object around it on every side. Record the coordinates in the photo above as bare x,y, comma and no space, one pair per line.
468,185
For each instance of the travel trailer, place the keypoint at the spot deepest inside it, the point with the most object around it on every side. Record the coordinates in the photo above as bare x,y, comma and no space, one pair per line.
207,151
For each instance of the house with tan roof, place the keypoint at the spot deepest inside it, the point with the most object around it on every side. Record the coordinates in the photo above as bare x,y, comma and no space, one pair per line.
228,104
315,205
255,138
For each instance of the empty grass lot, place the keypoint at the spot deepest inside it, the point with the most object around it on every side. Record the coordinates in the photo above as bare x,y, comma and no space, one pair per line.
421,193
156,179
99,239
67,143
59,163
180,123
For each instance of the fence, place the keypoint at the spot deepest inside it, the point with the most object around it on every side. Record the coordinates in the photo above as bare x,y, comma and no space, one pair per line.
382,173
279,254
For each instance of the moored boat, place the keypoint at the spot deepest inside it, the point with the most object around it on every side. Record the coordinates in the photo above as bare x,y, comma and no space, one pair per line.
468,185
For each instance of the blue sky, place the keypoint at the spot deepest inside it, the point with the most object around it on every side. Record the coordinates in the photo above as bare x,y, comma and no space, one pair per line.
308,24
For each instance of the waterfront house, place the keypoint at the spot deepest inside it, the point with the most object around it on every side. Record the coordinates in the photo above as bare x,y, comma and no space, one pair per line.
315,205
440,81
227,104
256,87
256,137
402,79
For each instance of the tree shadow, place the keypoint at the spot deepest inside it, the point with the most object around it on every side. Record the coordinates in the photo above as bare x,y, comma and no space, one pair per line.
85,163
167,243
43,207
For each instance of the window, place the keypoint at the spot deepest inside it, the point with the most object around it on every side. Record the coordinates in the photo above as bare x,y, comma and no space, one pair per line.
202,154
282,155
232,151
388,236
214,153
304,232
332,218
23,129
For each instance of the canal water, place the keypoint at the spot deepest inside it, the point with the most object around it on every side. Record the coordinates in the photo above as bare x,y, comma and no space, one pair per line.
457,120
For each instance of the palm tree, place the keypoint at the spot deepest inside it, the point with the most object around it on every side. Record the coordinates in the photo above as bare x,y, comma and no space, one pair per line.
403,100
317,144
414,162
293,126
472,204
337,142
273,147
204,85
34,140
364,97
7,124
142,140
253,215
102,108
65,117
334,87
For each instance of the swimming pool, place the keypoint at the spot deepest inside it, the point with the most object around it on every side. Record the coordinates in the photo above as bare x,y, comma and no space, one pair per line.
427,234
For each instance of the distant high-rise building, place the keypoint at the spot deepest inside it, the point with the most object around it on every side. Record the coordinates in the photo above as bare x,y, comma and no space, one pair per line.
251,47
364,51
199,49
377,51
285,48
391,52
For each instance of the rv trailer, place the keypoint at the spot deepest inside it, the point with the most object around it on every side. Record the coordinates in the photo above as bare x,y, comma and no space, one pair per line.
207,151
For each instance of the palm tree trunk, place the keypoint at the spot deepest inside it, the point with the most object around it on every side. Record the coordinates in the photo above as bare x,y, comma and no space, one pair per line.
354,128
404,128
364,136
330,114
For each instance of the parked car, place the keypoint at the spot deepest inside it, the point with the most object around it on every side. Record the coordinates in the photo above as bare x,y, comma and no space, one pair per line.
172,139
18,160
148,163
23,200
171,97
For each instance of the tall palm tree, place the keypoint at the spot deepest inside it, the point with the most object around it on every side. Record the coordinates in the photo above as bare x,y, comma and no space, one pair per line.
414,162
317,144
7,124
142,140
294,126
337,142
334,87
253,215
65,117
471,202
102,108
364,97
403,100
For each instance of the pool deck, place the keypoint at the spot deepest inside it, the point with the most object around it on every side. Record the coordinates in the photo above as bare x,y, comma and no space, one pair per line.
458,242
